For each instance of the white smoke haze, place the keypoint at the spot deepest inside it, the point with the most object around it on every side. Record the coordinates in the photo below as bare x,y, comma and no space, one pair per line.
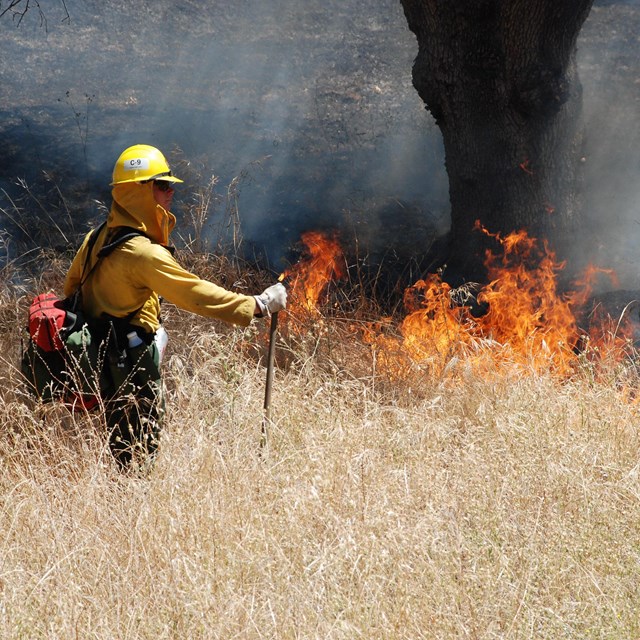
319,93
609,58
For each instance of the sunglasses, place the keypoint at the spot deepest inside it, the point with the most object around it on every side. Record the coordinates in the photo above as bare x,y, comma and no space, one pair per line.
163,185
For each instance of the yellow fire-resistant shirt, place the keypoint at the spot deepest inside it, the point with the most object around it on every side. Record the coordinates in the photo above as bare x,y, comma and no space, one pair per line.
141,270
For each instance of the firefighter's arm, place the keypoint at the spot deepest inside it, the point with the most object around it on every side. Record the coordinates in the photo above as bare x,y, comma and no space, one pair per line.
159,271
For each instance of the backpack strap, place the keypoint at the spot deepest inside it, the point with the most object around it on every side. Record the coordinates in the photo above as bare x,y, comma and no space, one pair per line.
120,236
90,245
73,303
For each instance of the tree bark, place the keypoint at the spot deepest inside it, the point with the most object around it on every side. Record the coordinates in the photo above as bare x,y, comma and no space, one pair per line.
500,79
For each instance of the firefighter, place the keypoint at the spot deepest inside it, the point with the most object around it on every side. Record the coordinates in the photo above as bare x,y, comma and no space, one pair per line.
122,293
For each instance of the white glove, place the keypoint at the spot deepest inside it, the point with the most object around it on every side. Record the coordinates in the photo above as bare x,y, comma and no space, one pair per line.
272,299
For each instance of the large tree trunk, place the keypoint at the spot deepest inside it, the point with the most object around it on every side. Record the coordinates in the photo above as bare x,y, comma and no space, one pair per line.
499,77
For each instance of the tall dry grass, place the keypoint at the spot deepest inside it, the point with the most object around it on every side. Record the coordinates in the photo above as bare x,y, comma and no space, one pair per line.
462,506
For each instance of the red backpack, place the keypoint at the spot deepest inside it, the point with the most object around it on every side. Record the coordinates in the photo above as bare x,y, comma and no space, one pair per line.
50,321
61,357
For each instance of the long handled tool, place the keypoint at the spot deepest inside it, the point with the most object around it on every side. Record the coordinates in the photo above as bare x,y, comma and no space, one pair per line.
267,392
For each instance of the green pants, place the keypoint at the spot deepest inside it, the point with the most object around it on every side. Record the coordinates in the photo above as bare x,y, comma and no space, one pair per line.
135,406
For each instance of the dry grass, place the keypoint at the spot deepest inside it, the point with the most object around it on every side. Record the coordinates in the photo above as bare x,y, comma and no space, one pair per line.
495,506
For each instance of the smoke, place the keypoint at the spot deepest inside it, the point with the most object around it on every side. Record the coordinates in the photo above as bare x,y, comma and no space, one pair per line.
312,103
609,56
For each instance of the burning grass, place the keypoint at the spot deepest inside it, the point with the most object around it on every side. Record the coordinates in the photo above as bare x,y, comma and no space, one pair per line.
477,494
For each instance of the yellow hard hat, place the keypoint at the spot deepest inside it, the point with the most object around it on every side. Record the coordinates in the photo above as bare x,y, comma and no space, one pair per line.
142,163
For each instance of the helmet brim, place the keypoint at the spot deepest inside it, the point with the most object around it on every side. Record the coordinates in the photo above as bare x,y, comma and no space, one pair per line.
172,179
167,179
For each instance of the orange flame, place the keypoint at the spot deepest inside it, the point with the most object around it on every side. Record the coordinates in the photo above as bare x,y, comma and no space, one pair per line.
527,322
310,277
525,308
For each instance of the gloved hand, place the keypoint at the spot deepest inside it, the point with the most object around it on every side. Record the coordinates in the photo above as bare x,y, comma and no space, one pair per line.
272,299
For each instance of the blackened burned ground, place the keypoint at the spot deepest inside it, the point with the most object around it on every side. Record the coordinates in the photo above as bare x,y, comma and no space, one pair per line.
310,105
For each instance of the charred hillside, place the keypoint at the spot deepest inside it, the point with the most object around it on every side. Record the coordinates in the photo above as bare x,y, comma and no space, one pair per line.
311,109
